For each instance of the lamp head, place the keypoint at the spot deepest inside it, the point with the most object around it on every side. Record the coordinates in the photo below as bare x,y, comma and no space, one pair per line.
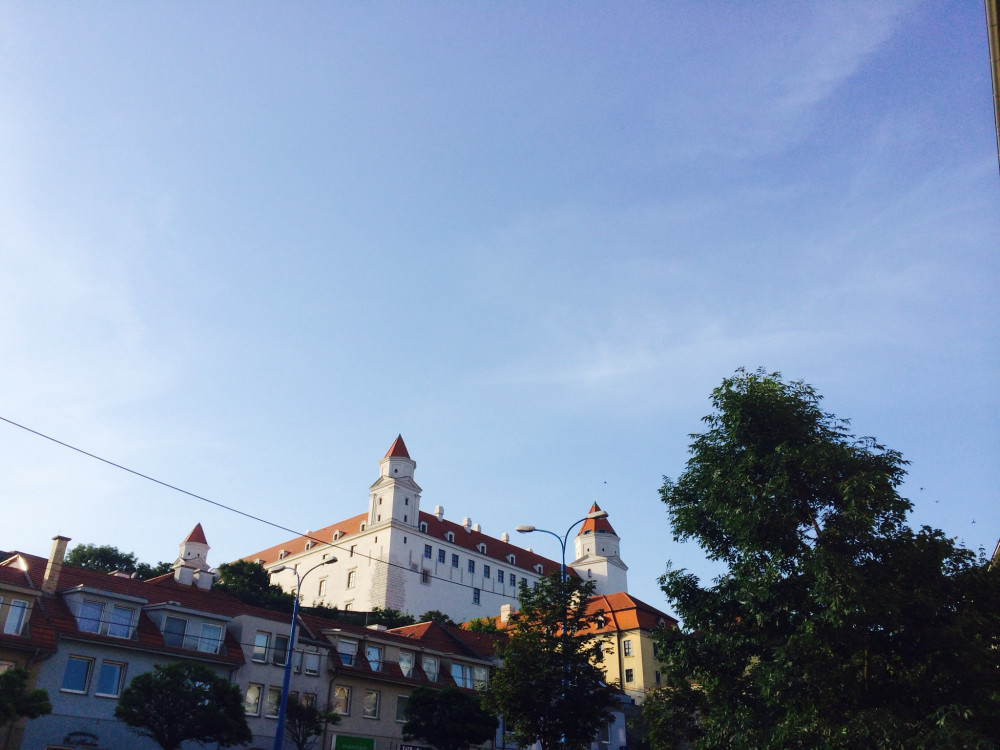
279,569
524,529
597,514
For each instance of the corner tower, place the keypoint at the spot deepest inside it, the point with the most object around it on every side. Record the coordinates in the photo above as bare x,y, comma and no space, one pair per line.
597,556
395,496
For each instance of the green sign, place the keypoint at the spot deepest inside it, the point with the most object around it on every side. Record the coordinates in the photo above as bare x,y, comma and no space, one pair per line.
343,742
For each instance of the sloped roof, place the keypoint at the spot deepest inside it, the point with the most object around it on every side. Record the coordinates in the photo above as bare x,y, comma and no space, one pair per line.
398,449
596,525
197,535
321,536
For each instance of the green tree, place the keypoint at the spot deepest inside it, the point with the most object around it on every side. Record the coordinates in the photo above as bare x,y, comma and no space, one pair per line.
486,625
549,686
251,584
436,615
108,559
447,719
305,722
834,624
391,618
17,701
184,701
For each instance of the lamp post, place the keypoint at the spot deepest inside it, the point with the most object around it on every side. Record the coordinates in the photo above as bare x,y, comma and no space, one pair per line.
563,540
279,733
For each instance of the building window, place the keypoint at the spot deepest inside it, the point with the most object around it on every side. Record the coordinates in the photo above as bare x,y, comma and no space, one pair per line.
121,622
524,582
173,631
310,662
308,699
321,591
211,638
656,676
627,647
513,579
486,571
430,665
402,703
511,559
475,596
273,703
15,617
279,655
370,710
109,679
352,576
428,551
347,651
479,676
440,555
341,700
481,547
425,576
450,536
604,734
353,551
348,606
406,663
472,566
251,706
629,675
499,575
454,560
423,526
462,675
534,584
91,614
76,678
656,649
374,656
260,642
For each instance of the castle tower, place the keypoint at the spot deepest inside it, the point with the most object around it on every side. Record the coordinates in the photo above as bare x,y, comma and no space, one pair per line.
395,496
597,556
194,550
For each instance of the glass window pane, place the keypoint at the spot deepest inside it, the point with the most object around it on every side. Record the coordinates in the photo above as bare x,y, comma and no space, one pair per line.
374,656
173,631
90,617
311,663
273,702
401,704
341,700
211,638
109,678
77,674
430,665
347,650
260,646
121,622
15,617
280,650
371,704
252,703
406,663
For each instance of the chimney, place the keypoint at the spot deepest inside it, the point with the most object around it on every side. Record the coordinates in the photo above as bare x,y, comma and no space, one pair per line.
184,574
467,524
476,527
54,566
204,579
505,538
439,512
505,610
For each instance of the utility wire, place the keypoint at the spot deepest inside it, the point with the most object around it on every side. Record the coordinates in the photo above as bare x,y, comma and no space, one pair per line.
231,509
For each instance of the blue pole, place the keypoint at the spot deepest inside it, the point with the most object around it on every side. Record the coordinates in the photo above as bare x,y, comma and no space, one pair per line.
279,733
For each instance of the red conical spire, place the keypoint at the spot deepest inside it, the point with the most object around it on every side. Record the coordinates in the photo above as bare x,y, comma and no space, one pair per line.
197,535
596,525
398,449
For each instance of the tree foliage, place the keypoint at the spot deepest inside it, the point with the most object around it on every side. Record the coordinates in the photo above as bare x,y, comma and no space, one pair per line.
17,701
184,701
835,624
108,559
486,625
447,719
549,687
436,615
251,584
304,722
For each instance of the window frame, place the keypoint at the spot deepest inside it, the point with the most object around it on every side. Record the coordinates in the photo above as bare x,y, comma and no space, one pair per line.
21,607
371,712
627,647
353,654
206,643
275,692
88,662
311,657
375,664
168,635
454,560
432,676
402,702
629,675
259,652
122,666
346,700
260,699
97,623
408,657
282,652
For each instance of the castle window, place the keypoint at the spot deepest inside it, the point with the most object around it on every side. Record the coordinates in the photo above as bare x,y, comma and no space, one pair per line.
627,647
423,526
454,561
428,551
499,575
481,547
629,675
425,576
450,536
511,559
336,535
440,555
486,571
513,579
363,525
475,596
406,501
538,568
472,566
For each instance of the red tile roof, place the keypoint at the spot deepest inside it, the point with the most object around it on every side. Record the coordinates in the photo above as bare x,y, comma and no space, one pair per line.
398,449
596,525
197,535
324,535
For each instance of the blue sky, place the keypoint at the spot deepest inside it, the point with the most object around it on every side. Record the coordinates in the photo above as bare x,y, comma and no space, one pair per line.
242,246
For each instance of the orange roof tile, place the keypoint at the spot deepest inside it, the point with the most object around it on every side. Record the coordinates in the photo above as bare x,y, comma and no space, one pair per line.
197,535
398,449
596,525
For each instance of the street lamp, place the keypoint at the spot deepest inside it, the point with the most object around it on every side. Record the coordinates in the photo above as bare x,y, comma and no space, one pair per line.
563,540
279,733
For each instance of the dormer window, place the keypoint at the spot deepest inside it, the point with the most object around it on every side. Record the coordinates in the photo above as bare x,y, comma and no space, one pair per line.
537,568
511,559
310,545
423,526
363,525
282,554
481,547
450,536
337,535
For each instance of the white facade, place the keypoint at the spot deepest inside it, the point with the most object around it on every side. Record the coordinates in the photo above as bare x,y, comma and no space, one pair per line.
398,557
598,558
